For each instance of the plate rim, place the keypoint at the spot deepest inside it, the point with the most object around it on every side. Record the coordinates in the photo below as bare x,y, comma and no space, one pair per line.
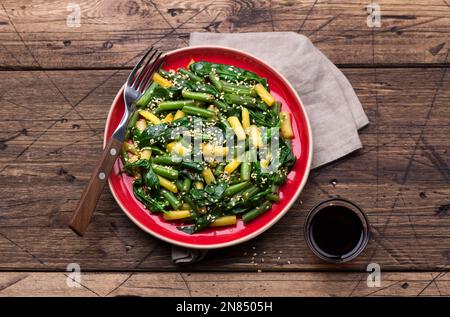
267,225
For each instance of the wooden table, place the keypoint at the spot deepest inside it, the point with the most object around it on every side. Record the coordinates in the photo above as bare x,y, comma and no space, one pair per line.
57,84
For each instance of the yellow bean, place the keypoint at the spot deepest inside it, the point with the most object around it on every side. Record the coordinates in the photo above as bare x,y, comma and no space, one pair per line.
141,124
208,176
150,116
199,185
129,147
286,127
178,115
167,184
245,119
146,154
264,94
224,221
176,214
186,206
255,136
230,167
168,118
237,127
176,148
209,149
157,78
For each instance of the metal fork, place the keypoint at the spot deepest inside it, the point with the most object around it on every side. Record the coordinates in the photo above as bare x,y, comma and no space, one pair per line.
138,81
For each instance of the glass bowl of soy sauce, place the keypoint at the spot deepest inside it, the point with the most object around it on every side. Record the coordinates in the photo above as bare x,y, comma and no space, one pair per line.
337,230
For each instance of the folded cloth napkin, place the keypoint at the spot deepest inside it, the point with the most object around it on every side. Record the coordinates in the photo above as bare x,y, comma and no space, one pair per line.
333,109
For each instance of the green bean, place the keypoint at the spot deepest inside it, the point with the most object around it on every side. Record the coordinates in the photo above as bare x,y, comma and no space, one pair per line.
262,106
132,123
246,194
205,137
276,107
274,188
215,81
273,197
242,196
190,74
173,105
223,106
157,151
167,160
166,74
196,111
198,103
246,169
171,199
123,155
186,185
145,98
219,169
234,179
179,185
192,165
233,189
240,100
258,211
201,96
240,210
177,79
244,91
166,172
235,85
189,201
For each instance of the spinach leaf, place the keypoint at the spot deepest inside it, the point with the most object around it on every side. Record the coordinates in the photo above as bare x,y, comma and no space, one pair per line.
139,163
151,180
210,195
154,134
153,204
201,222
287,158
149,177
200,87
226,72
266,119
268,178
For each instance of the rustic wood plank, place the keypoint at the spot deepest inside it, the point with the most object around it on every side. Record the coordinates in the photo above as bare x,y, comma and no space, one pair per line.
225,284
51,136
113,33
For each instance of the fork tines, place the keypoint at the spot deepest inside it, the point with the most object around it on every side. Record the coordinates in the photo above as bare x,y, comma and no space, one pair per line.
139,78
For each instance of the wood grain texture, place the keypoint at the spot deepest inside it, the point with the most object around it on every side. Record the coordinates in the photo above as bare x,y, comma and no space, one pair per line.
226,284
50,138
113,34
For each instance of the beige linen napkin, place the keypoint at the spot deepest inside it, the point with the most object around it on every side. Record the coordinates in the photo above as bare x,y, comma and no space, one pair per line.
333,109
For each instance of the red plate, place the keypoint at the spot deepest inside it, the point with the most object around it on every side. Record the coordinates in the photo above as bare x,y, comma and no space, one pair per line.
121,184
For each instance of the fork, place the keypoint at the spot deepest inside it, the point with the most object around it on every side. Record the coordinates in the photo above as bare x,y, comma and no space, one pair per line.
137,82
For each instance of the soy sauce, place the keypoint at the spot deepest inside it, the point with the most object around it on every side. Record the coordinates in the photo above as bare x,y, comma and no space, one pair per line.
337,230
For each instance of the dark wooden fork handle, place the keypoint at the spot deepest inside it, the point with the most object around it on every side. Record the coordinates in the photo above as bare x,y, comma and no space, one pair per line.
94,188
